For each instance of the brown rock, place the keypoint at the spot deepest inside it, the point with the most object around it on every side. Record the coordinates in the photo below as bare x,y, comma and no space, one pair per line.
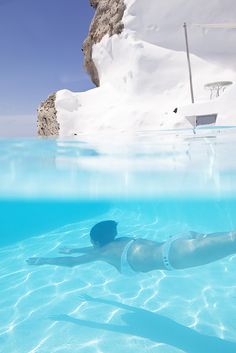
107,20
47,118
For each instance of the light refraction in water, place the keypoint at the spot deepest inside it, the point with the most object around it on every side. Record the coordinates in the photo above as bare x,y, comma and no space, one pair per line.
155,185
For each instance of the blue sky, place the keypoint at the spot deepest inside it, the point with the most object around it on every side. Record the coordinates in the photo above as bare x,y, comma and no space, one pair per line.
40,51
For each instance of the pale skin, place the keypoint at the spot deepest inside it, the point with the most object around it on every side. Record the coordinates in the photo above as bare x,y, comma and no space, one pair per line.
146,255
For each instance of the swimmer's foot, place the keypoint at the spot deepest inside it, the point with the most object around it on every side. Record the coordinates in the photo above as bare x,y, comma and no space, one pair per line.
36,261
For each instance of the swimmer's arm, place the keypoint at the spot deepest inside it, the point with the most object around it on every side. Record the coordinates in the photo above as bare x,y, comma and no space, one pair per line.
66,250
63,261
86,250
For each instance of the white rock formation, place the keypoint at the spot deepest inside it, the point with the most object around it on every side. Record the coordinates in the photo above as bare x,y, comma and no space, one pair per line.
141,67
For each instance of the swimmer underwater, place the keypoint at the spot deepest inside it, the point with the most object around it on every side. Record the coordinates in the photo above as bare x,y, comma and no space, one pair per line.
132,255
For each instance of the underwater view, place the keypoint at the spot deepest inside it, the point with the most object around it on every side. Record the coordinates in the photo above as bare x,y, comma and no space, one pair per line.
125,245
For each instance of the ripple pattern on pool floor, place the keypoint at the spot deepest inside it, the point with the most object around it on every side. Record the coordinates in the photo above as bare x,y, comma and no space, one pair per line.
93,309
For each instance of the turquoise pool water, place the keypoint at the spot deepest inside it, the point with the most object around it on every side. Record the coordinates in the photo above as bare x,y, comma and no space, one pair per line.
155,185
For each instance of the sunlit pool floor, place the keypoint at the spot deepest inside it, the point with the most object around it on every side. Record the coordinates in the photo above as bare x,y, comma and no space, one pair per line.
94,309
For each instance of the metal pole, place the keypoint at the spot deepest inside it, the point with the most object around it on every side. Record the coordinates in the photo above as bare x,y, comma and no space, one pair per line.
189,63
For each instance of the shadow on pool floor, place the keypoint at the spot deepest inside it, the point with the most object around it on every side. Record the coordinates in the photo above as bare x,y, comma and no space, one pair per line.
156,328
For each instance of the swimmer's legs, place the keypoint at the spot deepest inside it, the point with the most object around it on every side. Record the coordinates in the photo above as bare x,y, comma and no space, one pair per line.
202,250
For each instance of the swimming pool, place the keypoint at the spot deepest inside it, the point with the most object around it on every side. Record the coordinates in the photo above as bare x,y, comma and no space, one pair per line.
154,184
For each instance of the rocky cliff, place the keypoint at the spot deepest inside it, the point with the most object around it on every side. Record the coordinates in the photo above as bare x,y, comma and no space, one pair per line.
107,20
47,118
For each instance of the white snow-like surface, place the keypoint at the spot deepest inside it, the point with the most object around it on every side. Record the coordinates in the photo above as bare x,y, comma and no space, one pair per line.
144,75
